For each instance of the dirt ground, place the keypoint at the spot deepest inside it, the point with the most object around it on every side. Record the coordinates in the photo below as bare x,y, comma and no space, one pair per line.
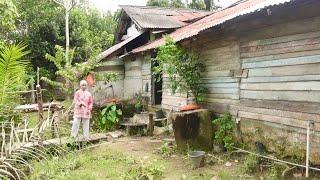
176,167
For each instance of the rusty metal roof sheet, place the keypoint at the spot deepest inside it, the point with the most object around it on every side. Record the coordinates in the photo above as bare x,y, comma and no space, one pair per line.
246,7
162,18
118,46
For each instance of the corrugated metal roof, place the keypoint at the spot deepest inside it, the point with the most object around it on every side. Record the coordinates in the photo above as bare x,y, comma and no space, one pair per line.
164,18
118,46
215,19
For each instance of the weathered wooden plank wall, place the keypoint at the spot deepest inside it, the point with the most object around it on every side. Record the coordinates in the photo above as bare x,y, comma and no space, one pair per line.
146,77
281,90
101,91
133,77
172,100
137,76
222,61
265,70
281,68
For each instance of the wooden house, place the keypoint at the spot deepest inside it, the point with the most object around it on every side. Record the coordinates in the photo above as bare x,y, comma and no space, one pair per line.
262,61
139,25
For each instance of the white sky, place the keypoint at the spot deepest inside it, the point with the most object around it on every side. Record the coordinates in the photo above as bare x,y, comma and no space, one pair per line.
113,5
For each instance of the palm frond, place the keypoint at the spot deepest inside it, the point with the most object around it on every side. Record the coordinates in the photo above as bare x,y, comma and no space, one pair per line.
15,170
5,174
12,70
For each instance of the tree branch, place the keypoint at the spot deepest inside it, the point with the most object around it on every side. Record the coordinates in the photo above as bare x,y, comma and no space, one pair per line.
73,4
59,2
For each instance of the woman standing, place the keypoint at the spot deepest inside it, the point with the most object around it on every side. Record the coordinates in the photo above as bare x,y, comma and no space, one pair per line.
82,110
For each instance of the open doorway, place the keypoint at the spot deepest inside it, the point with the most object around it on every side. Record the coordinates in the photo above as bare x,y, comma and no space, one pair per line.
157,85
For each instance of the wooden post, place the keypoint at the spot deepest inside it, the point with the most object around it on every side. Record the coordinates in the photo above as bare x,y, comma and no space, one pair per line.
308,147
53,132
38,76
33,96
40,106
151,124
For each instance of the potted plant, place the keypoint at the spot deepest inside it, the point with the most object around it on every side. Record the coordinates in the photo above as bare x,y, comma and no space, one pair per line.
138,103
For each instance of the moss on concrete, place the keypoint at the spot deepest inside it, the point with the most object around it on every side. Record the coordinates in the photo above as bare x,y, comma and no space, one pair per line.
283,141
193,129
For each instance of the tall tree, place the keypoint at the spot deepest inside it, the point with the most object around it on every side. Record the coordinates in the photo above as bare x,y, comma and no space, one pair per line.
166,3
177,4
43,26
197,4
8,16
90,31
160,3
210,5
68,5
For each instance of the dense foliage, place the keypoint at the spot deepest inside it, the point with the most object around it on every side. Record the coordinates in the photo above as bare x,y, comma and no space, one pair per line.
193,4
70,71
183,69
90,32
166,3
40,24
13,71
8,14
197,4
13,77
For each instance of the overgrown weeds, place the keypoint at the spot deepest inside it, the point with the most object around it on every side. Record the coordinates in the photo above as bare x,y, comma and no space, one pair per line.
97,164
275,171
145,171
167,150
224,175
250,164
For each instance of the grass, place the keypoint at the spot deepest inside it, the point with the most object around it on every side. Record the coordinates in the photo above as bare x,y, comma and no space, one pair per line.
224,175
95,164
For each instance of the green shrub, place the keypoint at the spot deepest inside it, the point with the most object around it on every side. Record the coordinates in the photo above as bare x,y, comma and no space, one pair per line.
109,117
224,134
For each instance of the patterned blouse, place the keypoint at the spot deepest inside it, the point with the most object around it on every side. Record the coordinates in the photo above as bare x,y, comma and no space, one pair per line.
83,103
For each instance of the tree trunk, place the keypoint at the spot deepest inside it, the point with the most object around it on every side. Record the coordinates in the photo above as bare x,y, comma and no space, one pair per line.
67,35
209,5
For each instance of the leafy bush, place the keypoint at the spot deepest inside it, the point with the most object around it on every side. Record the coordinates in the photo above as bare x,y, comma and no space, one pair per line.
109,117
183,69
224,134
